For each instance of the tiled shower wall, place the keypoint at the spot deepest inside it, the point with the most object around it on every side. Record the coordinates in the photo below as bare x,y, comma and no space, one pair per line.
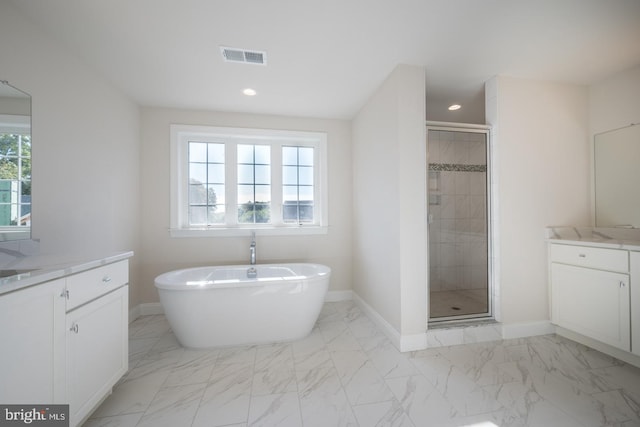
457,210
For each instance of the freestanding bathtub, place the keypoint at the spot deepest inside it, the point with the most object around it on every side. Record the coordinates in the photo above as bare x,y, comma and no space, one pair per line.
245,304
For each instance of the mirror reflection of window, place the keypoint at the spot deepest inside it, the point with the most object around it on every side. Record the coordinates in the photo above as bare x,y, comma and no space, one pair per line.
15,179
15,163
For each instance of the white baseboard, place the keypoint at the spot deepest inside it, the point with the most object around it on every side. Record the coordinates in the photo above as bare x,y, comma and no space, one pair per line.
397,340
152,308
527,329
134,313
145,309
625,356
335,296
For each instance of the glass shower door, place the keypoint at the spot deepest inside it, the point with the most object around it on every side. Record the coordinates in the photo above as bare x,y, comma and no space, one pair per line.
459,285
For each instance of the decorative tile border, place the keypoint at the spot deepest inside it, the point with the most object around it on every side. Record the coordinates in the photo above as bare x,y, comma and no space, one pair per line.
454,167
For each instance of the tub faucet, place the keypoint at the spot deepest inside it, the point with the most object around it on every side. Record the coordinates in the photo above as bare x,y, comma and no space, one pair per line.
252,249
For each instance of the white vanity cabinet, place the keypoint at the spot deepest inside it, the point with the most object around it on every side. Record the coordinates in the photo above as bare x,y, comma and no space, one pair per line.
32,352
64,335
96,336
634,259
590,292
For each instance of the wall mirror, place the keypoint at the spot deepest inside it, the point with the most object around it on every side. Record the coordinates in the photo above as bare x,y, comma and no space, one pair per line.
617,177
15,163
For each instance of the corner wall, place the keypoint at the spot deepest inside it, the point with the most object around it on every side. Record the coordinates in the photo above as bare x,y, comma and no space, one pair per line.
85,147
389,205
542,146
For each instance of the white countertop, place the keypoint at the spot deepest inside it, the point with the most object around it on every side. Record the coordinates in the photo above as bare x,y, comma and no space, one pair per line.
612,238
49,267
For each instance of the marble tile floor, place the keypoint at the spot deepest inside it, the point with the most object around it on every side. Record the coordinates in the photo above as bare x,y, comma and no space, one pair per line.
347,373
457,302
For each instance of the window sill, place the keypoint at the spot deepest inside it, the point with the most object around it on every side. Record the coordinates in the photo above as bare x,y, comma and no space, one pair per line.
238,232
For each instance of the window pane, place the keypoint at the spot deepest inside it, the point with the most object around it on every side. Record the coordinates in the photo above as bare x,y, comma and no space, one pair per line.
245,194
297,180
290,175
245,153
215,153
306,175
263,193
254,179
26,189
263,213
197,151
197,215
306,193
216,173
197,173
289,155
263,155
217,214
26,168
290,212
218,190
290,193
8,168
206,168
212,197
305,156
306,212
245,174
197,194
263,174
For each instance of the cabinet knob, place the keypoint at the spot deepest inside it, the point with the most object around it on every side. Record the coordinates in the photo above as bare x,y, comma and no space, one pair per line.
582,255
106,279
74,328
65,294
622,284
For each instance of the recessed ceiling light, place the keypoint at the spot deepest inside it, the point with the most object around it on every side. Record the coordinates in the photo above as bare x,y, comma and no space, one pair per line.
454,107
249,92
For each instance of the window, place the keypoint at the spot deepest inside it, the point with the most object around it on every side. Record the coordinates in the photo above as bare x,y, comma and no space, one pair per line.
15,172
225,180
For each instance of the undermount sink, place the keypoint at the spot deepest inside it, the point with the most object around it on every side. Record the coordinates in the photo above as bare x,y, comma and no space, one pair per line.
14,272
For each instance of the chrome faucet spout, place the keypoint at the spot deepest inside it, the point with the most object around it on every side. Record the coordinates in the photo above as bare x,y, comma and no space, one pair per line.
252,250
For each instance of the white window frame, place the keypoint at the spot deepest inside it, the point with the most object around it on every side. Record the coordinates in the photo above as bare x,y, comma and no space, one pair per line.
231,137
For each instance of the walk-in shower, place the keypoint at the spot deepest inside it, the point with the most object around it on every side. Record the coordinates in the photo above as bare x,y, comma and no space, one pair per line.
459,213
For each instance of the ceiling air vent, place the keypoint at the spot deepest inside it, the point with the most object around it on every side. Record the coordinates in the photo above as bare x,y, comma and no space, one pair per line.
231,54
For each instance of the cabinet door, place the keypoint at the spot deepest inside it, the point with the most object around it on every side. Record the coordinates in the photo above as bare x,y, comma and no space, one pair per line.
32,339
593,303
97,351
635,302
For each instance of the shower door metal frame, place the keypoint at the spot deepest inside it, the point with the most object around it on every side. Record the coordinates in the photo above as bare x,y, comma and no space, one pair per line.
489,315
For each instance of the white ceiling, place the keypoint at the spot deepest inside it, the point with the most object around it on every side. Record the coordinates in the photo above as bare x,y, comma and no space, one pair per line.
325,58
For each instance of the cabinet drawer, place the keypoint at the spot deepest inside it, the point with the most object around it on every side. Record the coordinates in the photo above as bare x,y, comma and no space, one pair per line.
91,284
584,256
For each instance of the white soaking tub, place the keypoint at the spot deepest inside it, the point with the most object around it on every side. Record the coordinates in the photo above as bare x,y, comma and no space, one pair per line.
246,304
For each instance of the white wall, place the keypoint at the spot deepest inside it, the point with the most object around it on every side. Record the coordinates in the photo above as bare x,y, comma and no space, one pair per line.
542,146
161,253
389,218
615,101
85,146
